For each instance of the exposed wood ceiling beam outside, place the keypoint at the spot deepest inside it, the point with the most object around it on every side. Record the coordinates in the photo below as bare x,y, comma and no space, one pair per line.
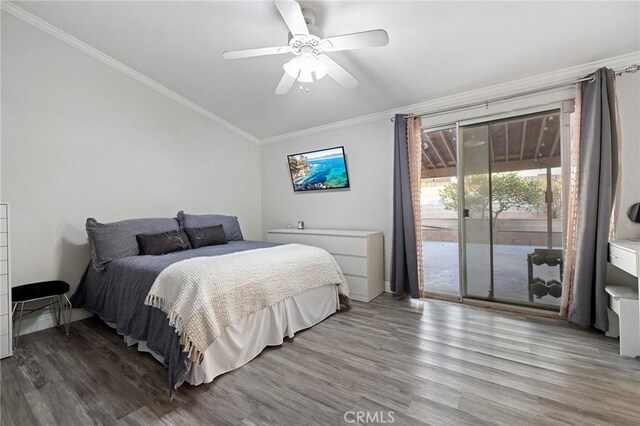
432,145
506,142
446,144
532,150
491,143
531,164
556,143
498,167
524,135
425,155
540,135
437,173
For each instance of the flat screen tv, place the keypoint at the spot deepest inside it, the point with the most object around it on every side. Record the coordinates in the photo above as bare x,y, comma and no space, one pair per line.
317,170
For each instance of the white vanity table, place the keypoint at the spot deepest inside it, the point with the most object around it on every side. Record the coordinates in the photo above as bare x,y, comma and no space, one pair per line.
625,254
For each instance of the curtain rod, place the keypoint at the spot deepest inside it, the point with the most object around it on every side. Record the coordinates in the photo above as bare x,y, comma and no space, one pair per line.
629,70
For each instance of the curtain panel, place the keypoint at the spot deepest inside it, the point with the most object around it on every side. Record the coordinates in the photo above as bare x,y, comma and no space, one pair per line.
594,186
571,237
406,259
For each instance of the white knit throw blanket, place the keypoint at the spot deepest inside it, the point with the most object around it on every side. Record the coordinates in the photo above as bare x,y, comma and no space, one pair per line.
203,295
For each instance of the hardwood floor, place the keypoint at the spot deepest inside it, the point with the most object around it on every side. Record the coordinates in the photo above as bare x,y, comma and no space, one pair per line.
427,362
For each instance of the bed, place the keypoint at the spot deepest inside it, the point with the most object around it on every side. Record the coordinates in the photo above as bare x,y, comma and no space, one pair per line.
118,292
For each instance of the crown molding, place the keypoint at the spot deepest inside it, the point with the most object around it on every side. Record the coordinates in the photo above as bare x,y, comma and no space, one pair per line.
70,40
566,75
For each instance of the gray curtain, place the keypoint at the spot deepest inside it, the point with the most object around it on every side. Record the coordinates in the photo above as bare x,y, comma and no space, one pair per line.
404,257
598,181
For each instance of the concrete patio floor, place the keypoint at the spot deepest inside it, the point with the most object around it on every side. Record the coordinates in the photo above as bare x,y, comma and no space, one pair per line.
510,272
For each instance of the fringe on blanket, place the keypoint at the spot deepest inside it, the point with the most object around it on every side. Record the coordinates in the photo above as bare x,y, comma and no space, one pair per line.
193,353
345,300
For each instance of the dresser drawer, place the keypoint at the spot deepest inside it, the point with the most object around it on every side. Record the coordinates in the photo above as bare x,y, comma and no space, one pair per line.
4,240
4,346
4,324
4,253
357,285
4,304
4,284
287,239
623,259
340,245
352,265
3,266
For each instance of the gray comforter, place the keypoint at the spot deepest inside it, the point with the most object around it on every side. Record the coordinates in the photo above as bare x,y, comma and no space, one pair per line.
117,296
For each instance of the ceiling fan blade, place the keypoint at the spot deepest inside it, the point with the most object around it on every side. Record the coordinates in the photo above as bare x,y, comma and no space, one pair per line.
373,38
339,74
286,83
292,15
250,53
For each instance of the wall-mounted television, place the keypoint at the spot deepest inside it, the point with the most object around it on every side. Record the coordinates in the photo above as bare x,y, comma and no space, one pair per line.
317,170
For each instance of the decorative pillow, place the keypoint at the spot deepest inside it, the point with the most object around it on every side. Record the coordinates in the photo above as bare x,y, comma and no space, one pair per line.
163,243
229,223
209,236
110,241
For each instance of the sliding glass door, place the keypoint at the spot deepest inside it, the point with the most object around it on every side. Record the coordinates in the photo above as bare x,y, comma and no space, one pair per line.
475,202
438,199
511,210
492,213
526,199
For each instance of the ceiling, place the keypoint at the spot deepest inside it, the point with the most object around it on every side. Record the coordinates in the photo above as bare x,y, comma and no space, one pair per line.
436,49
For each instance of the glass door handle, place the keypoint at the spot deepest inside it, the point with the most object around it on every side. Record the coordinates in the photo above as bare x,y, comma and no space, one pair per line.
465,212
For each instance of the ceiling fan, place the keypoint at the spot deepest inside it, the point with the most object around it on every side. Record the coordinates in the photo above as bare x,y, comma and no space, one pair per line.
307,43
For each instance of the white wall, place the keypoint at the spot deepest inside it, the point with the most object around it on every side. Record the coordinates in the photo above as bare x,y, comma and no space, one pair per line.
369,147
366,205
80,139
628,90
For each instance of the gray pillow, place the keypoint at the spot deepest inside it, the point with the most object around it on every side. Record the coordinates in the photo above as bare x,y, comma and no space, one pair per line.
229,223
110,241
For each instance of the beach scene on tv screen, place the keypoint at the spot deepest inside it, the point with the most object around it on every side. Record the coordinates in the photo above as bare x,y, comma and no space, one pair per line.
319,170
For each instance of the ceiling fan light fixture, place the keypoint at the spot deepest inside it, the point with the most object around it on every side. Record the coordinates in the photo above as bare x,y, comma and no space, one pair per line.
292,68
307,62
307,43
305,76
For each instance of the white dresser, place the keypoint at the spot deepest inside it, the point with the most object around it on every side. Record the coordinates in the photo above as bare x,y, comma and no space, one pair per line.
625,254
359,253
5,284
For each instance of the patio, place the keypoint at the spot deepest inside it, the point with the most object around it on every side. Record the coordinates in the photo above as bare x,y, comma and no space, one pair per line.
510,271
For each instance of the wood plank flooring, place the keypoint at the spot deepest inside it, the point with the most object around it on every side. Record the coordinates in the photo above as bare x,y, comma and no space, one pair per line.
427,362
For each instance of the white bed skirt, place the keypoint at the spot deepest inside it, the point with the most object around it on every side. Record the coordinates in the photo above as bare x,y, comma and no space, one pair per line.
245,339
